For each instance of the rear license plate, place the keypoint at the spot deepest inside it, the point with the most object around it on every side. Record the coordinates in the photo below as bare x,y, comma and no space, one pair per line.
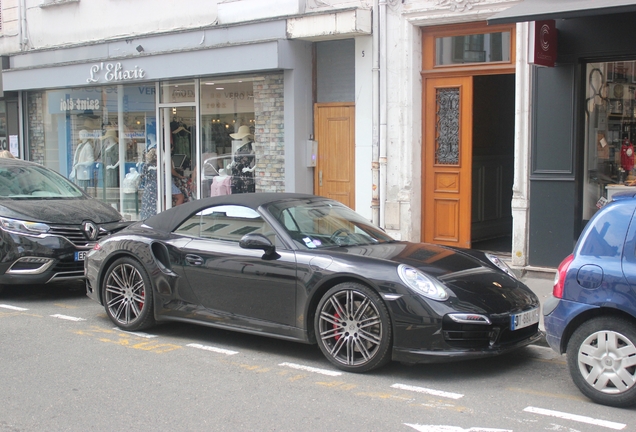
524,319
80,256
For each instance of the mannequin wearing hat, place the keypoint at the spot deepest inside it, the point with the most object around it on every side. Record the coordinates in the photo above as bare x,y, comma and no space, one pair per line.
83,160
244,162
110,146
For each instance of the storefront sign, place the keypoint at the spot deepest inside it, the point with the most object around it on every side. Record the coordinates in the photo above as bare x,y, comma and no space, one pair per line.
543,43
114,72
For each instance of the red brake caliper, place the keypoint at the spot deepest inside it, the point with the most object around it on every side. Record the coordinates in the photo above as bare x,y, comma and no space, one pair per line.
336,326
141,303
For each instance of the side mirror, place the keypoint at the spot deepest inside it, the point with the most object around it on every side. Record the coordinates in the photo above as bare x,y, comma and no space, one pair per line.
256,241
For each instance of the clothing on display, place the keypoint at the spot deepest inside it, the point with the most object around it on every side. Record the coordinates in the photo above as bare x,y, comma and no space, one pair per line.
244,162
181,136
110,146
149,185
83,160
131,181
221,184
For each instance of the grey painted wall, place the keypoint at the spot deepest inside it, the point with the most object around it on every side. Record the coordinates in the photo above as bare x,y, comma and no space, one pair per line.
335,71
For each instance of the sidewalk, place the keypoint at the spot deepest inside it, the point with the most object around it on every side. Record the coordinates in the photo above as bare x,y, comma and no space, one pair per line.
540,281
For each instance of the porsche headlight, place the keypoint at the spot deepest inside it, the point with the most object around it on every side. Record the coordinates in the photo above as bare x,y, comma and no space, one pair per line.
24,227
422,284
501,264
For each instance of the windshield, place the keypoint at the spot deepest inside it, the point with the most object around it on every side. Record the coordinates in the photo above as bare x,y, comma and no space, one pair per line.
34,182
316,224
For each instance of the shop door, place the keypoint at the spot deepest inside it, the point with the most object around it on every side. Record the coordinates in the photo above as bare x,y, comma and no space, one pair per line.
447,161
178,160
335,165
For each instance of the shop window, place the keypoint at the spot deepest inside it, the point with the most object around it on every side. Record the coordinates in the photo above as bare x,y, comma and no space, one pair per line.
228,136
97,137
610,132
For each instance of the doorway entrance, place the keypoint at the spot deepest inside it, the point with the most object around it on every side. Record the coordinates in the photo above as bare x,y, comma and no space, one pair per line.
177,138
468,155
335,165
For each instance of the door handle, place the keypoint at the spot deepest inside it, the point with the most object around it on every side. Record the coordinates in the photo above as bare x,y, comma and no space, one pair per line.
194,259
320,178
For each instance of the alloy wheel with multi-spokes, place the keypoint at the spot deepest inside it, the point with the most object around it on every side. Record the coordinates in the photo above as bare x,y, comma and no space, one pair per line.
602,360
353,328
127,295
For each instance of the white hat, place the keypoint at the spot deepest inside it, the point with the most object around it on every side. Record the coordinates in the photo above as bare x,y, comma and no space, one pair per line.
110,133
242,133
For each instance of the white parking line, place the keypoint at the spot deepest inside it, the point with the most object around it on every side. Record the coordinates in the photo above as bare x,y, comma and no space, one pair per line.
15,308
213,349
140,334
442,428
577,418
68,318
428,391
311,369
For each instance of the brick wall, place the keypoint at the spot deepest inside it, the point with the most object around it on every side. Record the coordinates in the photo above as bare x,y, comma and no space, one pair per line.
269,134
35,131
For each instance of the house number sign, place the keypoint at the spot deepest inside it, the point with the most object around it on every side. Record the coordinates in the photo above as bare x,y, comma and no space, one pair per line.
114,72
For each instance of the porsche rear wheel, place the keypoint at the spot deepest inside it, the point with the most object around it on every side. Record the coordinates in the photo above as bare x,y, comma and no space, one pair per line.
601,356
127,295
353,328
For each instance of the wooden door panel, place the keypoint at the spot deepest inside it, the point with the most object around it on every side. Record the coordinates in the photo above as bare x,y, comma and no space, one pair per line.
335,133
446,220
447,161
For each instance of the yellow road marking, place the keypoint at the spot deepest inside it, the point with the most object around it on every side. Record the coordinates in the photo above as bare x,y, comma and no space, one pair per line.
547,394
65,306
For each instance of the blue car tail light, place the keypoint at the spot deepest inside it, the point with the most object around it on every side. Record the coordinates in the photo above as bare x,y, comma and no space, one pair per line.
559,277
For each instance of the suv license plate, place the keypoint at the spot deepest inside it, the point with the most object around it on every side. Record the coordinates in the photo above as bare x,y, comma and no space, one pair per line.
80,256
524,319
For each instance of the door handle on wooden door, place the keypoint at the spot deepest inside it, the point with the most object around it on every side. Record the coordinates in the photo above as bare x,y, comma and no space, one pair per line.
320,178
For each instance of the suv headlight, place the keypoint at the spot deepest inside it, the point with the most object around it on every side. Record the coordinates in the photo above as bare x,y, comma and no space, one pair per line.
24,227
501,264
421,283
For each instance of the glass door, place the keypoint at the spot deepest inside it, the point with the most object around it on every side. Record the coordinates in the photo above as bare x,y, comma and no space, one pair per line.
178,143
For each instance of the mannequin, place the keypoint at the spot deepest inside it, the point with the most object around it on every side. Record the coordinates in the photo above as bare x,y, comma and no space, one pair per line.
244,162
221,185
110,146
83,160
149,185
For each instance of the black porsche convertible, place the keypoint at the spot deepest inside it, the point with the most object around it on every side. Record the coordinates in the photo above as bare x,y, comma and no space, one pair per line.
309,269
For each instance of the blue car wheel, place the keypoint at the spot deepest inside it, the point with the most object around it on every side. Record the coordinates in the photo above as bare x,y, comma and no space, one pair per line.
602,360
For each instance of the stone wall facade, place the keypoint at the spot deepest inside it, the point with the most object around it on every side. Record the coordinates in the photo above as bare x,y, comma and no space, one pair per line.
269,134
35,131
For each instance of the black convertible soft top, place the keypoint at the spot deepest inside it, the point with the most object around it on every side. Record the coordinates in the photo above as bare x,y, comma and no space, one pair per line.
169,220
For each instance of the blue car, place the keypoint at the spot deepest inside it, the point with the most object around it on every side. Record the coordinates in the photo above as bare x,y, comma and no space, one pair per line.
592,313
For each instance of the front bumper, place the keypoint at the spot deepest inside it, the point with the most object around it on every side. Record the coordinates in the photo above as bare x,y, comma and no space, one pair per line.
38,259
407,355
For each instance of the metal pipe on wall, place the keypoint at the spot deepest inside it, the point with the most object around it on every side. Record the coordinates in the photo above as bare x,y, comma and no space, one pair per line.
375,145
383,107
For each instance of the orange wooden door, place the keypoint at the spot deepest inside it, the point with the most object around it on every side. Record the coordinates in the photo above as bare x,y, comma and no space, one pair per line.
335,165
447,161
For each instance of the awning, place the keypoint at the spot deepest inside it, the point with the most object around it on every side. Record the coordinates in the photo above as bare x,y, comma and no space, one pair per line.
538,10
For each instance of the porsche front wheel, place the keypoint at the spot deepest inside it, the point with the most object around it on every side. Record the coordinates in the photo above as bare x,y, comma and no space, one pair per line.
353,328
601,356
127,295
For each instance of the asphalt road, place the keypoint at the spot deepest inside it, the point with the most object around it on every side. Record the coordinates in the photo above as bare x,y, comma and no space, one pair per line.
64,367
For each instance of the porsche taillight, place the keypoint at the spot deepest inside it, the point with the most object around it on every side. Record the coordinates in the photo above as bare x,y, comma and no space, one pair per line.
559,278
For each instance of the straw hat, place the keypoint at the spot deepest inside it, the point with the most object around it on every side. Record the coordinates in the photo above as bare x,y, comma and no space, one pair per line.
242,133
110,133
